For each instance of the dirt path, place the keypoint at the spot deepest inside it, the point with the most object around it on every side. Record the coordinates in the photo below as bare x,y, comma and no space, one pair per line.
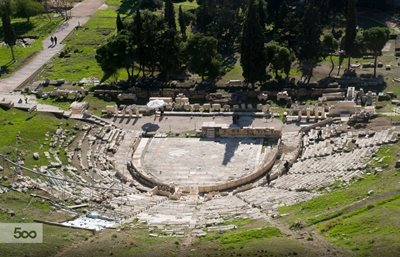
80,15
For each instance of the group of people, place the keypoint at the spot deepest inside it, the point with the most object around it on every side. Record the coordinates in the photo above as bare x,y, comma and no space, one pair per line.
53,40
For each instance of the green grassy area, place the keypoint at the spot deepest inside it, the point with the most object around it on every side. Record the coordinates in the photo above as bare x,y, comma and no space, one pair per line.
127,242
113,2
19,129
370,231
39,28
27,209
62,104
239,238
186,5
73,242
251,238
235,73
349,216
82,45
96,104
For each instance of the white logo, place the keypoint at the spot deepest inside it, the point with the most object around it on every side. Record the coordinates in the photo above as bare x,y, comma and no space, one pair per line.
22,233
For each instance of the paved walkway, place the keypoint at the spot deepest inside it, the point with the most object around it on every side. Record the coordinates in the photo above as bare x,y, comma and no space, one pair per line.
27,102
80,15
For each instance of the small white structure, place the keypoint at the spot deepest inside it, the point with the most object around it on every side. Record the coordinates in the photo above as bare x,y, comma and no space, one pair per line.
79,107
112,109
283,96
127,96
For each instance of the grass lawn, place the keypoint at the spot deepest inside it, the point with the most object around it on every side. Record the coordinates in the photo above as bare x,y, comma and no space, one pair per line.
27,209
233,74
32,129
351,218
82,45
251,238
127,242
39,27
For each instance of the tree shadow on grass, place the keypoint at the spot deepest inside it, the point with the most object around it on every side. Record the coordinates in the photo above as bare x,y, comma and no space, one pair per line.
21,28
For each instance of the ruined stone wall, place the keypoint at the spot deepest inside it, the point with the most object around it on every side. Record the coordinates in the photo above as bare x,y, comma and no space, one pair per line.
249,132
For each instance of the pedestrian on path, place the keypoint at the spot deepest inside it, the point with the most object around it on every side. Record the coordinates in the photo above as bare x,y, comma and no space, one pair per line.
52,41
55,40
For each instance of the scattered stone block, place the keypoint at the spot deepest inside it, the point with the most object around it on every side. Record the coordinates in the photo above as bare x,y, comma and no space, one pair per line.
36,156
397,164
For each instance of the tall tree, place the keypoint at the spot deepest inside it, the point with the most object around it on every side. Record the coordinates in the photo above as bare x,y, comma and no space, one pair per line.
252,57
137,39
261,10
169,14
147,4
120,24
329,46
153,28
204,15
273,7
115,54
351,29
170,53
27,8
337,8
8,30
203,57
182,23
309,43
374,39
280,58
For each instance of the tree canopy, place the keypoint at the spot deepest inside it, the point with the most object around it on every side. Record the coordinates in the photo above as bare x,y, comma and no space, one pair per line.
374,39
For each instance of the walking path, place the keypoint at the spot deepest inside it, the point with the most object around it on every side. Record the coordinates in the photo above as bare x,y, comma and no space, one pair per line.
80,15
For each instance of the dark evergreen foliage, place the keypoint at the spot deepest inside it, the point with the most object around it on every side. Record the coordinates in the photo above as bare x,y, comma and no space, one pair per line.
252,47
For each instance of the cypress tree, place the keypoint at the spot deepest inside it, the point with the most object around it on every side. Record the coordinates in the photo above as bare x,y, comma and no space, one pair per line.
309,43
252,46
169,14
261,10
351,31
138,39
120,24
182,23
9,33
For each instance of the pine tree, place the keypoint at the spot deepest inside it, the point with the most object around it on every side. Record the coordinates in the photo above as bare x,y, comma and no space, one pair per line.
169,14
374,40
351,29
120,24
8,30
182,23
252,47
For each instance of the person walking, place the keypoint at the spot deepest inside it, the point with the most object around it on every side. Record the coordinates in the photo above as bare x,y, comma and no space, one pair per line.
52,40
55,40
